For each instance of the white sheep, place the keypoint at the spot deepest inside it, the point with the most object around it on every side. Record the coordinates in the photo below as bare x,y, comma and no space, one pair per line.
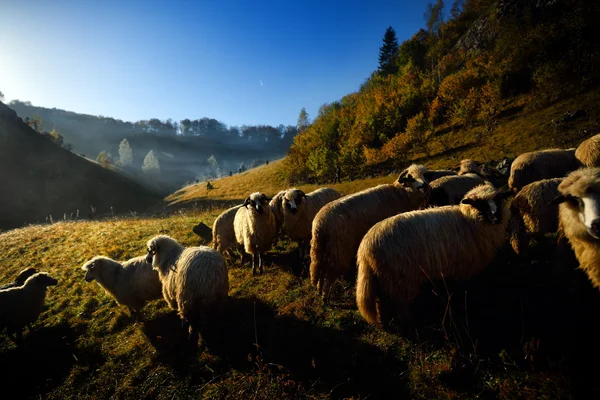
194,281
132,283
579,218
276,205
299,210
21,306
543,164
341,224
255,228
223,232
401,253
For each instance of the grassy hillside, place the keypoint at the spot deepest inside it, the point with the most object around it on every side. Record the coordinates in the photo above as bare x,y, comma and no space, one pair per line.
41,179
496,337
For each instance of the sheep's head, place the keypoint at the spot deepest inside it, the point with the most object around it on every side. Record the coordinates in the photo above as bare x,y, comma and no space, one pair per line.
257,201
469,166
203,230
485,203
277,200
23,275
96,267
292,199
157,247
413,177
580,194
40,279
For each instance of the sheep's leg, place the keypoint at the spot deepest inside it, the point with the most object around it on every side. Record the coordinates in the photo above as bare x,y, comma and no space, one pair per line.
260,262
326,290
254,262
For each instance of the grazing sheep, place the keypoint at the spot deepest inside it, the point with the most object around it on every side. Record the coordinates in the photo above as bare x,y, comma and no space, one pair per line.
449,190
532,212
420,173
194,280
222,231
538,165
299,210
255,228
468,166
588,152
203,230
131,283
21,306
401,253
579,218
277,210
20,279
340,225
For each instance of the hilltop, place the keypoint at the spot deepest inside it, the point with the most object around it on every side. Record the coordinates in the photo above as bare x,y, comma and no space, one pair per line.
42,179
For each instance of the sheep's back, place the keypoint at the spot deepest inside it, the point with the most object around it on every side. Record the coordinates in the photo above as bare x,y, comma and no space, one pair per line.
143,281
450,190
299,226
588,151
223,229
534,203
546,164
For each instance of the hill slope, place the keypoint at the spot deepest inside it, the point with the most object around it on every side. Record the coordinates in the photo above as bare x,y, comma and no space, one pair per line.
40,178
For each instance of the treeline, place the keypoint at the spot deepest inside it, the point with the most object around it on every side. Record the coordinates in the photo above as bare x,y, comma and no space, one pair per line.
455,74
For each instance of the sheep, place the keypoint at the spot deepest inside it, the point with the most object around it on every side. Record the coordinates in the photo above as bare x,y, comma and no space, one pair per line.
255,228
532,212
543,164
20,279
21,306
222,231
132,283
449,190
588,152
194,280
299,211
421,174
400,253
340,225
468,166
579,218
203,230
277,210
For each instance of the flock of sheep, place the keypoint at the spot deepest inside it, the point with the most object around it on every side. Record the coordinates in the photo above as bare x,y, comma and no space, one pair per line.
428,224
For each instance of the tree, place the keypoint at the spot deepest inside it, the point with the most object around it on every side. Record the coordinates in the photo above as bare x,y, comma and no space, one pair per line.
125,153
214,166
104,159
434,17
56,137
35,122
387,52
303,120
151,164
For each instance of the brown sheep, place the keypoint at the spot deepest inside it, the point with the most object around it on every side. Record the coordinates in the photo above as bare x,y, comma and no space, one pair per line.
588,152
543,164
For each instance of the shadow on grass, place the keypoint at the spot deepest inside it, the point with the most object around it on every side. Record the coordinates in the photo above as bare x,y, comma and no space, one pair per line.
42,361
251,337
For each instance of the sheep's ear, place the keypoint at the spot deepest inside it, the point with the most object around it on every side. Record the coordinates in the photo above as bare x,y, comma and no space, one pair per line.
247,201
558,199
470,202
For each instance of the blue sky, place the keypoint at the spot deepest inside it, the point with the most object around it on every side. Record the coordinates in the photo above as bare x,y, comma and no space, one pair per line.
190,59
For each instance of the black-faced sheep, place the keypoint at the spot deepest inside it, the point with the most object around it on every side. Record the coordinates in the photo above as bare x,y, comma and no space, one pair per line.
132,283
20,278
223,232
532,212
398,254
543,164
579,218
341,224
21,306
255,228
299,210
194,280
588,152
203,230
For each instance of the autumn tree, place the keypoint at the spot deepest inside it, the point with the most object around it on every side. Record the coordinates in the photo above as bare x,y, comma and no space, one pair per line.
303,120
104,158
387,52
125,153
151,164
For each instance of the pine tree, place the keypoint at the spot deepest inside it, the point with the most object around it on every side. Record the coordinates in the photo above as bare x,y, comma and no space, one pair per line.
151,164
387,52
125,153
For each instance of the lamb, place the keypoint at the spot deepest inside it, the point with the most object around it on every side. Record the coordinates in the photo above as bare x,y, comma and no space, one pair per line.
277,210
579,218
299,211
449,190
132,283
194,281
400,253
20,279
222,231
340,225
588,152
255,228
532,212
21,306
543,164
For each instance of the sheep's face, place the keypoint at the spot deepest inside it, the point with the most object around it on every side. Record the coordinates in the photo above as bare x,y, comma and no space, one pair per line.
411,180
488,208
292,200
257,202
152,250
91,269
41,279
580,193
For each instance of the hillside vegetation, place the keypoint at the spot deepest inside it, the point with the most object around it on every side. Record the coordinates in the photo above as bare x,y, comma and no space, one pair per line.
40,179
